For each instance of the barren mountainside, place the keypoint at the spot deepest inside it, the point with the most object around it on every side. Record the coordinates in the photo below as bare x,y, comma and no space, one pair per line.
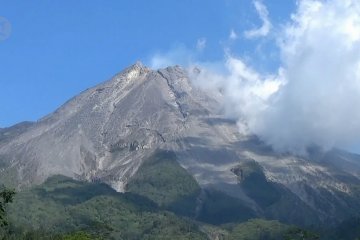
108,132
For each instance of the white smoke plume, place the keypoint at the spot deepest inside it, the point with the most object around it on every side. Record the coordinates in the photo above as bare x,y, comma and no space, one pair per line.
314,97
319,104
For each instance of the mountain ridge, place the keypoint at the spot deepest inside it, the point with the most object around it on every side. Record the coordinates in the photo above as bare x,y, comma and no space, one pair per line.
107,132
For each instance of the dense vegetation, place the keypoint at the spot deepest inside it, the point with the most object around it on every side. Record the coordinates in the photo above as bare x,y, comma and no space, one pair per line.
219,208
276,201
62,205
162,180
6,197
171,187
258,229
162,203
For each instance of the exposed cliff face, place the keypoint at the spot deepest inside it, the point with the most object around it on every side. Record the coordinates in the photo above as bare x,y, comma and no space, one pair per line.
108,131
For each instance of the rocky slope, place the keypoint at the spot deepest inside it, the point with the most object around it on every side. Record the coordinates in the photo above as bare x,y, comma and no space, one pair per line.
107,132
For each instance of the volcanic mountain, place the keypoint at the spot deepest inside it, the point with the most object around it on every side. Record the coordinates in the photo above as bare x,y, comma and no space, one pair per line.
110,133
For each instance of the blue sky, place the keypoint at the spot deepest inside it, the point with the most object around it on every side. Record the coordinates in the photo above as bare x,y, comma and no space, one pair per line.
59,48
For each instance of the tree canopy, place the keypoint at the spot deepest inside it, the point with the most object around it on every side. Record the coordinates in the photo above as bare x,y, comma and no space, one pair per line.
6,196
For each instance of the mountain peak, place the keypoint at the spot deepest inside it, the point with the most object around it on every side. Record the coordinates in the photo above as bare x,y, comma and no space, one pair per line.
138,64
135,70
108,132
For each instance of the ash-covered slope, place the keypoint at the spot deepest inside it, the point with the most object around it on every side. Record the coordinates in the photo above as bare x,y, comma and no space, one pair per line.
107,132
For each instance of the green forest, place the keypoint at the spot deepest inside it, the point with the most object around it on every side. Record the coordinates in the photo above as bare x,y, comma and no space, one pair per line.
160,203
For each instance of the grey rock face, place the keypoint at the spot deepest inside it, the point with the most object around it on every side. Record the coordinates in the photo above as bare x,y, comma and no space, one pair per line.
106,132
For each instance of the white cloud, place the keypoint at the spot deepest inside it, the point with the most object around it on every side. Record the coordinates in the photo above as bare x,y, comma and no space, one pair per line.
201,44
320,51
233,35
266,24
177,55
246,92
314,98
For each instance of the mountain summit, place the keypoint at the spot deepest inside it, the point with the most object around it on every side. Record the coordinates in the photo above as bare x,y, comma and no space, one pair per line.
108,132
105,132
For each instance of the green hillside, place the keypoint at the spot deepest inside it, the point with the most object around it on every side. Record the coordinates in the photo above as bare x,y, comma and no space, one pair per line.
163,202
62,205
258,229
162,180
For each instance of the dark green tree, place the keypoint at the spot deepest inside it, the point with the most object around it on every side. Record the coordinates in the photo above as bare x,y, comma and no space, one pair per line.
6,196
